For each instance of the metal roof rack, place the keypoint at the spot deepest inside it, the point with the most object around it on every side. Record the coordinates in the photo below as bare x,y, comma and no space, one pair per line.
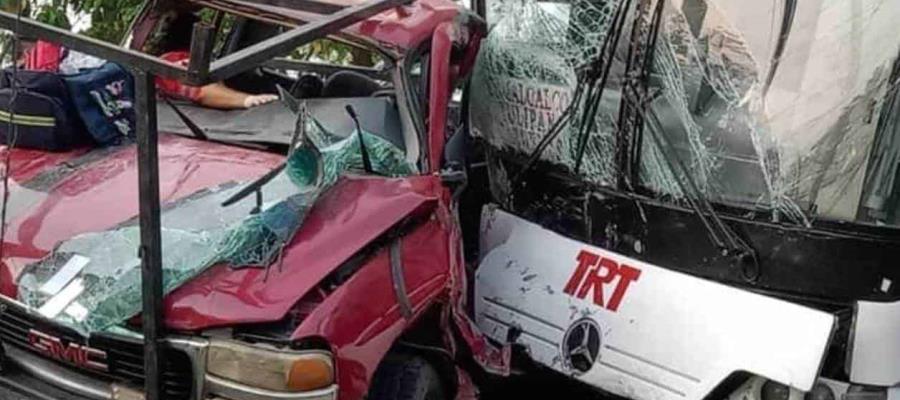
309,20
312,19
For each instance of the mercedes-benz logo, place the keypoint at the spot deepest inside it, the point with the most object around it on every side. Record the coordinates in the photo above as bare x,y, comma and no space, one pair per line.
581,345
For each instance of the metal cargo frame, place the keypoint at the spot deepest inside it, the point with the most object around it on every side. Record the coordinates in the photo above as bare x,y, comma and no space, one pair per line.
309,20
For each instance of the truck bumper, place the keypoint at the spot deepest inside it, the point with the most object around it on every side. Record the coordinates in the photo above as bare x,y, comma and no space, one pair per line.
39,379
31,376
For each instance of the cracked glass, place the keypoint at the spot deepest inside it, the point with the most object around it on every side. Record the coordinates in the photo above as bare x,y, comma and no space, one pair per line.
92,282
786,109
527,76
777,106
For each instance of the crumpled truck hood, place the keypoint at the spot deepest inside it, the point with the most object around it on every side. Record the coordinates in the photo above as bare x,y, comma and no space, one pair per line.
55,197
353,213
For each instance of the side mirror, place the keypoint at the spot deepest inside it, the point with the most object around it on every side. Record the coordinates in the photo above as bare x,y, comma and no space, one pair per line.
455,150
453,168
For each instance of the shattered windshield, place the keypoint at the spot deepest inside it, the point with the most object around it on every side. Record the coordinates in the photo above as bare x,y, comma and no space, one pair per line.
777,105
527,74
785,108
92,282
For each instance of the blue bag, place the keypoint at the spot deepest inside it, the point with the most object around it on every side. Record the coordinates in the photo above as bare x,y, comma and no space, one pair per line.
104,99
44,118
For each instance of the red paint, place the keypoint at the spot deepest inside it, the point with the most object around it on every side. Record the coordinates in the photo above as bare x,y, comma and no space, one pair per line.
585,261
361,318
594,272
466,389
627,275
476,32
346,218
405,28
71,353
103,193
26,164
440,92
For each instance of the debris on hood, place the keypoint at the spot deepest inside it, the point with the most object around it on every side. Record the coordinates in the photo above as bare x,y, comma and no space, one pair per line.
92,282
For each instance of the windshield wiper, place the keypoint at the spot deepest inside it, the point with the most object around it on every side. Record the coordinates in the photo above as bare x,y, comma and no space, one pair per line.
287,99
364,152
298,136
639,101
722,236
787,22
592,83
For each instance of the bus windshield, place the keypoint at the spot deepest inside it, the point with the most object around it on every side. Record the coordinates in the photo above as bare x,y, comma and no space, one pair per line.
781,105
787,108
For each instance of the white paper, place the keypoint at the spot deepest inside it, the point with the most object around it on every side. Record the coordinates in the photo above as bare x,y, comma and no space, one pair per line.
58,303
77,311
65,274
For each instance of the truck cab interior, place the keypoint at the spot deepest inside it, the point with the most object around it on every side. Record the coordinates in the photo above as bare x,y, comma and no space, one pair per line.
325,89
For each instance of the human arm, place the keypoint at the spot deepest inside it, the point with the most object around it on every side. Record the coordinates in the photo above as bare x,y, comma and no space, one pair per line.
217,95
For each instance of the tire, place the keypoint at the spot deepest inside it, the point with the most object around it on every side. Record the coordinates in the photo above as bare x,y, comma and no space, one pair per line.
406,377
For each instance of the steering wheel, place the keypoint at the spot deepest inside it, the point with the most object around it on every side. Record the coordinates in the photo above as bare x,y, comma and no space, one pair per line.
390,92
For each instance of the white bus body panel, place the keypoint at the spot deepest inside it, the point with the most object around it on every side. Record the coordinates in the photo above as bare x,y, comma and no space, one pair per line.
875,345
668,336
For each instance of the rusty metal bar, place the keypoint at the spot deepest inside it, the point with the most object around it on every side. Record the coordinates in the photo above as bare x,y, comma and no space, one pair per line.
151,238
259,53
31,28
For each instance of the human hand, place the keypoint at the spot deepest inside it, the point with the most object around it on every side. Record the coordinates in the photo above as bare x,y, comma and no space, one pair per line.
259,99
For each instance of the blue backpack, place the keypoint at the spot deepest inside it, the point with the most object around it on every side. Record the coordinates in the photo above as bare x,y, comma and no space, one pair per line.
38,113
57,112
104,99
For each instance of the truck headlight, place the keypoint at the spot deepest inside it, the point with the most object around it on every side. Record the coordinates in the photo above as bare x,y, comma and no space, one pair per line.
269,368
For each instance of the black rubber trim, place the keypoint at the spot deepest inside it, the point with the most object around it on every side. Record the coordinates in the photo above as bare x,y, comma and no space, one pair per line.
396,256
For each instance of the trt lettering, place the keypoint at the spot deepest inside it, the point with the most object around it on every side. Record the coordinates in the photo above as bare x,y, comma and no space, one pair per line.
594,272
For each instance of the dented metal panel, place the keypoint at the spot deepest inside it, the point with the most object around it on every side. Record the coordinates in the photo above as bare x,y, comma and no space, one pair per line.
346,218
197,232
633,328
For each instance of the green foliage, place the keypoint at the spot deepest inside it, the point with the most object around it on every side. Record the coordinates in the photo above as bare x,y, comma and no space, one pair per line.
110,20
325,49
54,13
334,52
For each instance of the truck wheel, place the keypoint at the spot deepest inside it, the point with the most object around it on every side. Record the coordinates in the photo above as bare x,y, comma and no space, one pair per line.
406,377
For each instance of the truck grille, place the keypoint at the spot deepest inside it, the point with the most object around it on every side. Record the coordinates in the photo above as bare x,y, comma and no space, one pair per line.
124,356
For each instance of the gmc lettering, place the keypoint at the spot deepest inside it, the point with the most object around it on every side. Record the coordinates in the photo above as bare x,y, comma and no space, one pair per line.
75,354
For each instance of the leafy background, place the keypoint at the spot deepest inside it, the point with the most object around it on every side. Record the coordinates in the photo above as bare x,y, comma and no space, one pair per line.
109,20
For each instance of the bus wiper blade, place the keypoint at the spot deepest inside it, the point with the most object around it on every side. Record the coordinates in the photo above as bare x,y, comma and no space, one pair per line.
722,236
592,81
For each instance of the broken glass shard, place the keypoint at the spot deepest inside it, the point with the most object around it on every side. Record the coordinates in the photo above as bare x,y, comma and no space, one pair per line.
92,282
785,109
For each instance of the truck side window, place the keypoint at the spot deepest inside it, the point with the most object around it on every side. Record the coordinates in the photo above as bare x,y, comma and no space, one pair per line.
418,79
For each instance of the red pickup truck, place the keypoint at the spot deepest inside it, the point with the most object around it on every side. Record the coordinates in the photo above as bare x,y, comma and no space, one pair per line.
366,300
